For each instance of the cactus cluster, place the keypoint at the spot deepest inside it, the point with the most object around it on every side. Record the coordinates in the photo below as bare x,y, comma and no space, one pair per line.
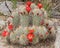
28,24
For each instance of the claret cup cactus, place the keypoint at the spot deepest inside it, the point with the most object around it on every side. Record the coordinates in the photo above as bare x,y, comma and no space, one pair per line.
28,24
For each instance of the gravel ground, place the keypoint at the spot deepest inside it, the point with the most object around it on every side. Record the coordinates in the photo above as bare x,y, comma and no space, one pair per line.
43,44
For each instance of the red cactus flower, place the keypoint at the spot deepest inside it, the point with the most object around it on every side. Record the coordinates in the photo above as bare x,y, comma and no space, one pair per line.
40,5
5,33
31,31
28,3
10,27
28,9
30,37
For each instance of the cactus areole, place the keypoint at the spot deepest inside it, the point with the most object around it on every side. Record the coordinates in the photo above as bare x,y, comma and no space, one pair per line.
11,16
47,33
42,22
